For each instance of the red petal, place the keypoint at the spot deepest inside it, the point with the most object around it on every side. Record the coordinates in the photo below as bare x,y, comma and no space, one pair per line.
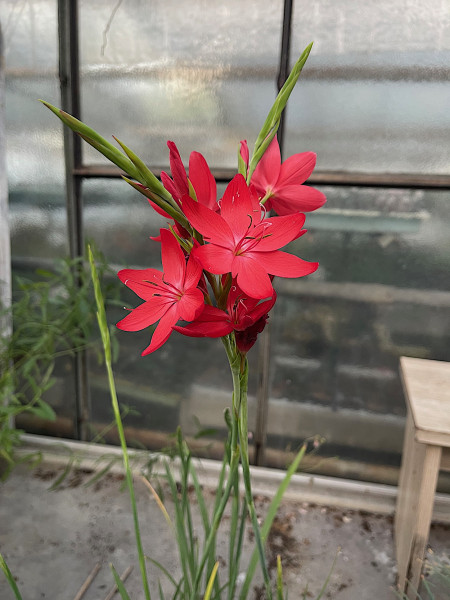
138,281
299,198
263,308
193,273
278,231
173,260
140,275
190,305
296,169
210,224
243,151
162,331
159,210
214,259
202,181
177,169
252,277
170,186
144,315
267,170
212,322
237,207
213,329
284,264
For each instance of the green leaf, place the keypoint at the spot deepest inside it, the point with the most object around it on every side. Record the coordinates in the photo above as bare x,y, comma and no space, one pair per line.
273,508
122,591
93,138
174,212
164,570
209,587
114,156
43,411
9,577
279,579
327,580
272,122
147,177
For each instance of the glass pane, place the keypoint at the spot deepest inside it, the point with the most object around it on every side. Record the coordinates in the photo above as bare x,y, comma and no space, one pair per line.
35,157
167,73
35,162
382,290
375,91
187,382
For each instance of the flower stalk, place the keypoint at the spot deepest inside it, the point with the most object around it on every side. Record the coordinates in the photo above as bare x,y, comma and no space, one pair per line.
219,258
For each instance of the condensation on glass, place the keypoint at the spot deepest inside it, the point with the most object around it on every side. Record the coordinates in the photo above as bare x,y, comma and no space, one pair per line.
373,97
375,94
35,163
201,77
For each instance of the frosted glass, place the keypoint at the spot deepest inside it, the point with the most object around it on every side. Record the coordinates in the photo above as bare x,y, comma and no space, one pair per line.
167,73
375,93
35,155
35,163
382,290
30,34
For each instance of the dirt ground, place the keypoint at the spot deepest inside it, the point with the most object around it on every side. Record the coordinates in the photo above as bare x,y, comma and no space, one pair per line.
52,540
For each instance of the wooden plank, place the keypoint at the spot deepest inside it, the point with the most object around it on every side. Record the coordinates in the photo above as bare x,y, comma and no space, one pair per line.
403,534
427,389
421,516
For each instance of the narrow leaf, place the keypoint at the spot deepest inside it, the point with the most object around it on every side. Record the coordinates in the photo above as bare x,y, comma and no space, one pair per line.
122,591
209,587
147,176
279,579
9,577
272,121
273,508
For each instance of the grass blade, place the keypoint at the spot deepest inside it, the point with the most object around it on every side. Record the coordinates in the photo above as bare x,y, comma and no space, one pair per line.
273,508
122,591
279,579
104,331
9,577
165,571
327,580
159,502
209,587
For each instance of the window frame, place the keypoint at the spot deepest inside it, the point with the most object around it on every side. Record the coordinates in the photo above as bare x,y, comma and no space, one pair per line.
76,172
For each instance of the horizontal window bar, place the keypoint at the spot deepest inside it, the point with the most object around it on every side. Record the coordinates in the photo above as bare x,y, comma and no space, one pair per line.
376,72
337,178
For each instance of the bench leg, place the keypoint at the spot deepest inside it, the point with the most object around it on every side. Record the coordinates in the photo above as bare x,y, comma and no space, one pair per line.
402,532
417,486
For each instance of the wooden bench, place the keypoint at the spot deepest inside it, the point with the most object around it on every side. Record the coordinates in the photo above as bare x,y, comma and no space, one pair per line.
426,450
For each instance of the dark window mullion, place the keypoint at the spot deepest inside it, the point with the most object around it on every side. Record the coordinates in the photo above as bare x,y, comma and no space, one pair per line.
70,101
262,391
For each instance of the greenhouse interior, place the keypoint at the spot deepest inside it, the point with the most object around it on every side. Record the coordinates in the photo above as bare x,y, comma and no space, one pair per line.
372,101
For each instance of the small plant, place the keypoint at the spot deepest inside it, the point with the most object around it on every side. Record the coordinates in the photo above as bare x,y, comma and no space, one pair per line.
53,316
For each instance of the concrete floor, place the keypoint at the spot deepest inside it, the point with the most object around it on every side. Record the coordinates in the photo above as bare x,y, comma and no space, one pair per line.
52,540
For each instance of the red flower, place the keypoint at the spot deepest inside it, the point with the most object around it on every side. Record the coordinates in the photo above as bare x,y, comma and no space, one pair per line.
200,177
245,244
246,316
169,296
282,183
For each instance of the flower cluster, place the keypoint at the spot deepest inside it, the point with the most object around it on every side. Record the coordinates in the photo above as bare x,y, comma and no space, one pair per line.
219,260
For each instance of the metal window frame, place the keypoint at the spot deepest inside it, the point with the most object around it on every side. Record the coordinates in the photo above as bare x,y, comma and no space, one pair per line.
76,172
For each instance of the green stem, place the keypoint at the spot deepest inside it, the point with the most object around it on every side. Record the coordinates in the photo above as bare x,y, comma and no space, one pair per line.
239,371
101,316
